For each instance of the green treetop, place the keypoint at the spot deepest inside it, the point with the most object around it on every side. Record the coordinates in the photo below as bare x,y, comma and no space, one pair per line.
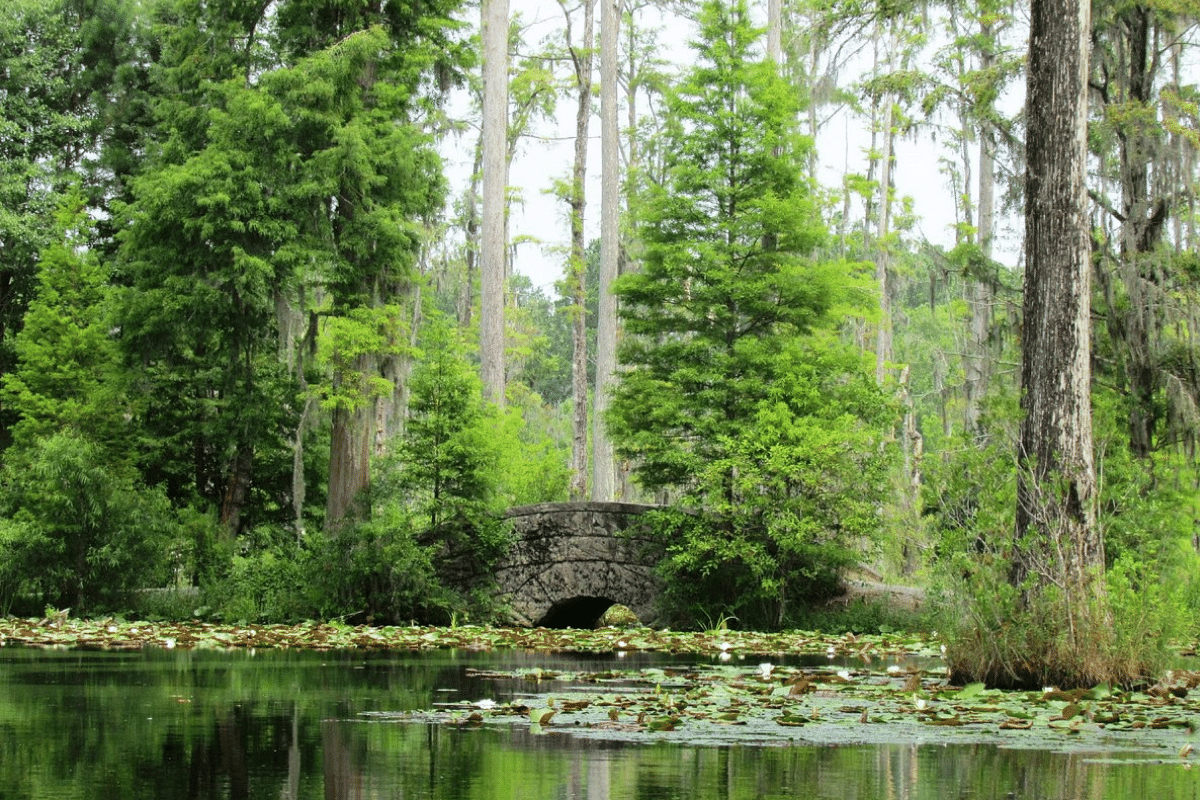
725,284
733,374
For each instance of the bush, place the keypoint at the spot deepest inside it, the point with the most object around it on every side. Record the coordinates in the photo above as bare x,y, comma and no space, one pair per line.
713,570
786,505
79,534
376,571
266,586
431,533
1036,635
863,617
390,570
19,543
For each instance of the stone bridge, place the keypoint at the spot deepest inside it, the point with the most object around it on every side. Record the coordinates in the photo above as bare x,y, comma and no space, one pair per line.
569,564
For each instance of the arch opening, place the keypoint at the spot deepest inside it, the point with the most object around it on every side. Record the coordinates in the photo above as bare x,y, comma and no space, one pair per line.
576,612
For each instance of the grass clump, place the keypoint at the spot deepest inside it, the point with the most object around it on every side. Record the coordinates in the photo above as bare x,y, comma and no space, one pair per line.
1118,632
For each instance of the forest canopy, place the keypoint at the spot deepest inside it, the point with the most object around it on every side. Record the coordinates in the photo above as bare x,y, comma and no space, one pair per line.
250,325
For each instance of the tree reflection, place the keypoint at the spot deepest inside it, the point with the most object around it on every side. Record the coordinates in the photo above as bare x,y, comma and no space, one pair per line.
289,727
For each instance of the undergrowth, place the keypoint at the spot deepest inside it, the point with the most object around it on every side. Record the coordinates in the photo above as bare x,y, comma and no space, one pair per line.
862,617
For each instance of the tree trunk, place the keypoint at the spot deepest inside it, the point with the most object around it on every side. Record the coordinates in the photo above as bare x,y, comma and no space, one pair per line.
883,336
775,32
603,457
1057,539
1141,227
235,490
883,333
299,487
349,458
581,57
349,462
978,366
466,300
495,179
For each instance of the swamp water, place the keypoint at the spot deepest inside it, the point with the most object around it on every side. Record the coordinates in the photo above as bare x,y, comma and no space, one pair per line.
168,724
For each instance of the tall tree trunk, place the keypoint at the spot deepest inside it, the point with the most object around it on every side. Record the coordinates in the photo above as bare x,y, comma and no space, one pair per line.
466,300
582,59
882,127
1141,226
299,487
775,32
603,458
883,336
236,488
492,250
241,466
978,366
349,464
1057,538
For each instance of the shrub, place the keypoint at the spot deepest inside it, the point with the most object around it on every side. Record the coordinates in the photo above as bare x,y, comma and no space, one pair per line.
78,533
390,570
265,586
1117,629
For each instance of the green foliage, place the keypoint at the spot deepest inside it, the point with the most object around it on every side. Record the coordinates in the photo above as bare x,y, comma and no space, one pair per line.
1012,637
205,247
1009,635
66,375
382,570
532,464
725,285
262,586
385,574
434,503
21,544
445,466
65,66
83,535
861,617
347,347
732,396
809,474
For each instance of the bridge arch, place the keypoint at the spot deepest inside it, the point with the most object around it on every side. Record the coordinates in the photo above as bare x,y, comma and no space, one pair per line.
569,564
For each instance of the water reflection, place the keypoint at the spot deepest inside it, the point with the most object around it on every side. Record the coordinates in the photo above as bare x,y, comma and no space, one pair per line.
511,763
194,724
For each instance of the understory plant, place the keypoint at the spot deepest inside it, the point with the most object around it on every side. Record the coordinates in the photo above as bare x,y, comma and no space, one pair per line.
431,525
1035,636
1038,631
78,533
783,509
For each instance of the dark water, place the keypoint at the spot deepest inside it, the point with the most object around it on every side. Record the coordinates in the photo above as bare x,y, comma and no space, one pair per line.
275,724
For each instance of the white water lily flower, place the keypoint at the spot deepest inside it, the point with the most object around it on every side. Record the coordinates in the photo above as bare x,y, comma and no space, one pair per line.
724,656
723,646
766,668
486,704
168,643
844,674
622,644
921,704
893,669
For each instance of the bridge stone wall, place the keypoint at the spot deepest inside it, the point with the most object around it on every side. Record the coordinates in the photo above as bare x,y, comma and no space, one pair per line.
569,559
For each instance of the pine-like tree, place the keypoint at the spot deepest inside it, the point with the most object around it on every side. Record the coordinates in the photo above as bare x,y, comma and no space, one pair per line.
722,344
